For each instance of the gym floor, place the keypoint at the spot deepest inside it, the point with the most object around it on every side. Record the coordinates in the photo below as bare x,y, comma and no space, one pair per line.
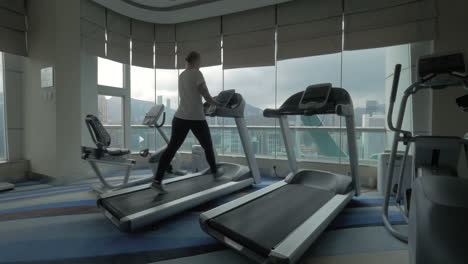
40,223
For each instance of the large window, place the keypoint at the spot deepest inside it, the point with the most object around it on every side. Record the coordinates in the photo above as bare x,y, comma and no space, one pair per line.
167,93
111,98
143,95
368,75
364,77
111,115
110,73
257,86
315,137
3,155
365,74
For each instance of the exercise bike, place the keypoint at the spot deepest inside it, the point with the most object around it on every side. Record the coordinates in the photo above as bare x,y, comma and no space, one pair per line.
435,206
104,154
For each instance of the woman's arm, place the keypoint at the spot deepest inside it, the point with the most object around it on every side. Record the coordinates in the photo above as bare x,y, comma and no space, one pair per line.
206,94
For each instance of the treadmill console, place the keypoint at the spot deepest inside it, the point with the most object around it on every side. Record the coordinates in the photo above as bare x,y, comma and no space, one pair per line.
153,115
440,71
232,105
441,64
225,97
315,96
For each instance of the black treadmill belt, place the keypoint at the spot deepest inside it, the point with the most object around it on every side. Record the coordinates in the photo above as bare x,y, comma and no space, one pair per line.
264,222
134,202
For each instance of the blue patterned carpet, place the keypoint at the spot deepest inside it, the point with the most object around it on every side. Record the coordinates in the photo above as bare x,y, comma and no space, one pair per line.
40,223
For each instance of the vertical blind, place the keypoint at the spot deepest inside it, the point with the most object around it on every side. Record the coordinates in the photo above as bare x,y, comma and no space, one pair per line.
302,27
118,37
249,38
13,27
165,46
307,28
93,28
203,36
142,44
379,23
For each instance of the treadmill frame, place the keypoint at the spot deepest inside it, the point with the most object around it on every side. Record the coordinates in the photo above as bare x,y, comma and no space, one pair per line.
298,241
143,218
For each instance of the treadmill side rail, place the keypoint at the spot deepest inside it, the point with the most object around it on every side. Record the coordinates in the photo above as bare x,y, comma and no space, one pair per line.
237,202
296,243
144,218
147,185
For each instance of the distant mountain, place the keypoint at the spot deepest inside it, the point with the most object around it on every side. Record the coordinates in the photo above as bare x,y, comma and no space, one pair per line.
253,115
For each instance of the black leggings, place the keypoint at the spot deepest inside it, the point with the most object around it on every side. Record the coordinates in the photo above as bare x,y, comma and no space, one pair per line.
180,129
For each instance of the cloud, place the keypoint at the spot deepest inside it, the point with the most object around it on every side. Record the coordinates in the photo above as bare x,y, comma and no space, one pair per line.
362,74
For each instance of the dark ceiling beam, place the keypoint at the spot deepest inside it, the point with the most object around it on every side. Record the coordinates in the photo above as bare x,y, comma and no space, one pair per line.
170,8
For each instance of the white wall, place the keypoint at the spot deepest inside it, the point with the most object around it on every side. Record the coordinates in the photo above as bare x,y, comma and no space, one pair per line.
39,113
52,135
68,91
89,94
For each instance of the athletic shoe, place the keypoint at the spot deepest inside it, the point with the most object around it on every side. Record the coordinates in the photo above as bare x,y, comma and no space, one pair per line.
219,172
159,187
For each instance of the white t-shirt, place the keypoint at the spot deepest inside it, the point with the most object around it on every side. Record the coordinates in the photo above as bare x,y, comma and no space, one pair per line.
191,105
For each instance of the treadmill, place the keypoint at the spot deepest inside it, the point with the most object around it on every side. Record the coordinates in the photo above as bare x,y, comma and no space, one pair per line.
278,223
136,207
6,186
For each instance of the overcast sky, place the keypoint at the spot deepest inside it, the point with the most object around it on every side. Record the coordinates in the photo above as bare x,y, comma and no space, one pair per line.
363,76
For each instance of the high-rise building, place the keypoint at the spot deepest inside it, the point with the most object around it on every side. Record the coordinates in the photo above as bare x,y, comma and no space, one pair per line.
373,143
103,110
168,103
160,99
371,107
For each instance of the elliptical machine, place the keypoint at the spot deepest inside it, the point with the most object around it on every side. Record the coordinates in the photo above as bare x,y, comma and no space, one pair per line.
435,206
104,154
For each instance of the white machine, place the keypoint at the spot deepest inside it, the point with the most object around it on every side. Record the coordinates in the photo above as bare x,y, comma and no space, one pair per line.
436,206
382,170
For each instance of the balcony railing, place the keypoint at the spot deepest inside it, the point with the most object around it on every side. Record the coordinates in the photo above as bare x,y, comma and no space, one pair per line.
328,144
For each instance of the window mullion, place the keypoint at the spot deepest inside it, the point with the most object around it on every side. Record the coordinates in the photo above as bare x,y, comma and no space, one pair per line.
126,105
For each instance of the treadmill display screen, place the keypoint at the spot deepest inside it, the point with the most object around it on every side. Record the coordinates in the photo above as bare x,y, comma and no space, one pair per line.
315,94
225,96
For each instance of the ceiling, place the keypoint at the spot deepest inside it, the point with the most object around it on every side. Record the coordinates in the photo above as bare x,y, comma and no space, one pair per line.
176,11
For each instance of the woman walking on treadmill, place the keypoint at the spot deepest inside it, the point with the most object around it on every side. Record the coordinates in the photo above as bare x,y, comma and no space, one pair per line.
189,116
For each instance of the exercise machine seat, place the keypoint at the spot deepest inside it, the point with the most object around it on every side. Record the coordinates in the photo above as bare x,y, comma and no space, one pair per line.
101,137
438,221
117,151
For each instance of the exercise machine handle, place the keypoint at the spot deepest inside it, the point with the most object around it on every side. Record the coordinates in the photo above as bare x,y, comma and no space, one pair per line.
162,122
396,80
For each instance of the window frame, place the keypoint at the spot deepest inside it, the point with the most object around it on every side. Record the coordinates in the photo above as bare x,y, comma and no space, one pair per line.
4,121
125,94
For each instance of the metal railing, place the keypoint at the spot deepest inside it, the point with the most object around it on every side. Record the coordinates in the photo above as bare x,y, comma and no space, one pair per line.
316,143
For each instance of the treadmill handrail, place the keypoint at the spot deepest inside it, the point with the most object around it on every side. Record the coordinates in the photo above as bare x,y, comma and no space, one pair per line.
339,103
